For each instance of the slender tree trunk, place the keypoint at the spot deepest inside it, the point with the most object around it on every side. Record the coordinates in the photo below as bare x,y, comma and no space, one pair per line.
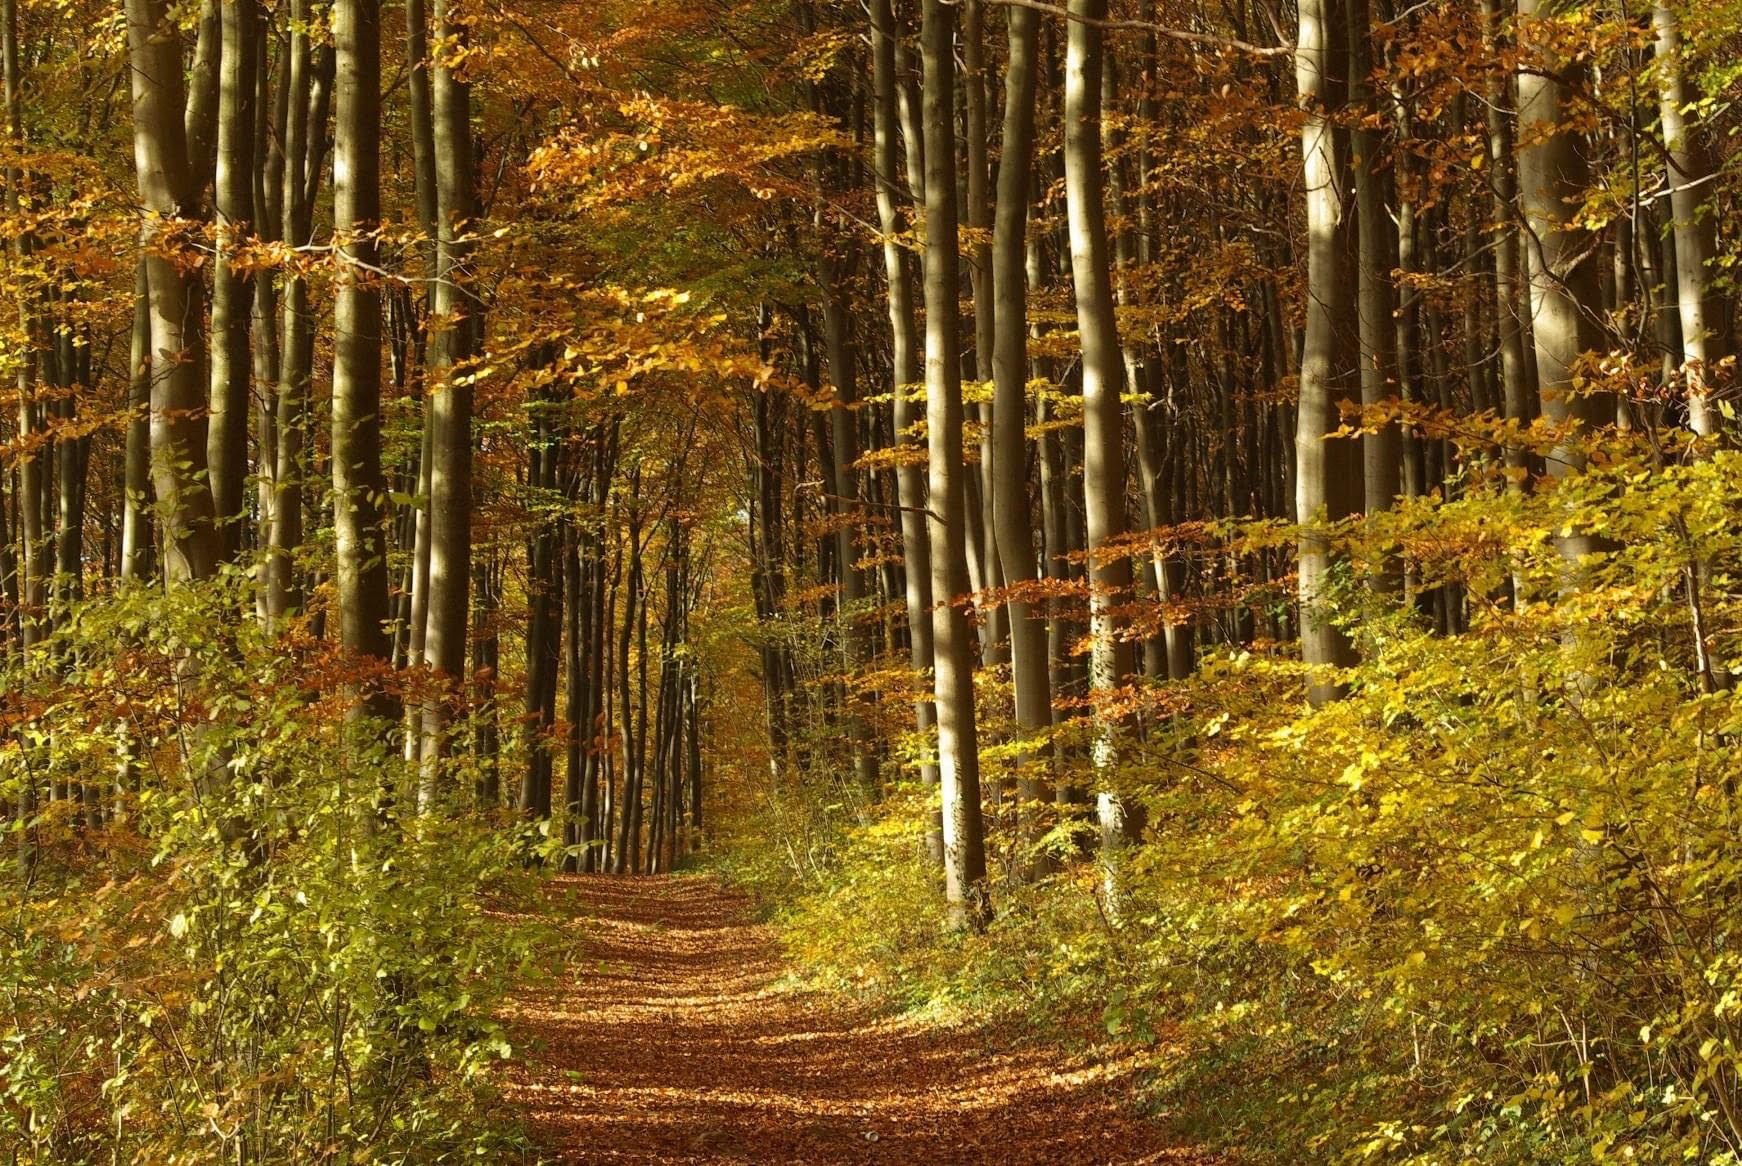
232,289
178,424
1705,339
1013,524
1326,468
910,485
136,476
958,753
1103,414
449,399
1552,172
358,484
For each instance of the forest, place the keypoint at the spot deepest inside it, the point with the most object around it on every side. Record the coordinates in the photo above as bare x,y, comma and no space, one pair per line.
934,581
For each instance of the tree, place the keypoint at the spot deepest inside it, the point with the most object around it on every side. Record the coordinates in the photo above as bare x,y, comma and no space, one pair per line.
958,748
358,485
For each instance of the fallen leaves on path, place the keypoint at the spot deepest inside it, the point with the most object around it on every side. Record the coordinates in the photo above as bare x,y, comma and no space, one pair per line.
673,1038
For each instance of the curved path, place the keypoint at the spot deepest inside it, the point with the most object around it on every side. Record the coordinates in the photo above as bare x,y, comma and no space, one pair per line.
672,1038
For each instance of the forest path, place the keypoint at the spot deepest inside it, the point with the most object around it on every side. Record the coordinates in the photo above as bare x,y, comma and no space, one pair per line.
672,1038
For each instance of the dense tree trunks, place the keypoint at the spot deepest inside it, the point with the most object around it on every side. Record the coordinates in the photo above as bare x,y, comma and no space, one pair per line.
898,269
358,484
303,121
1517,394
846,506
958,750
1552,174
1376,299
232,288
449,399
190,547
1110,662
1704,336
1328,484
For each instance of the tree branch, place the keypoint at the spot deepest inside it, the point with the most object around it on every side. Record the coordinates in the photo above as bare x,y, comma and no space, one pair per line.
1204,39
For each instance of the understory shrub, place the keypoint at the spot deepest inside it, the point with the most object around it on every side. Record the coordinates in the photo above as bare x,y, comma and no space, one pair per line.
1483,909
223,943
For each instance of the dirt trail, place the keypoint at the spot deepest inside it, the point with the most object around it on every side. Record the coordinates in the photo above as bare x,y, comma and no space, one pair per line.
671,1039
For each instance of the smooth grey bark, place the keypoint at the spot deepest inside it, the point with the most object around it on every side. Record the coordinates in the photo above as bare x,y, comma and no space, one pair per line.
231,367
1704,339
994,632
304,114
1012,521
190,547
1552,174
953,681
1110,659
1516,392
358,484
1323,469
898,271
1375,297
449,395
200,110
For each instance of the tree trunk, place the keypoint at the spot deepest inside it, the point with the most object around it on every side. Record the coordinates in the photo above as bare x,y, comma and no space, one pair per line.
1705,339
910,485
178,423
1552,173
1103,415
358,485
449,398
1012,522
232,289
958,754
1328,480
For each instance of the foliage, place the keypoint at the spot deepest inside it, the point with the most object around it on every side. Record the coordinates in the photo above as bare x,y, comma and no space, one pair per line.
257,963
1482,910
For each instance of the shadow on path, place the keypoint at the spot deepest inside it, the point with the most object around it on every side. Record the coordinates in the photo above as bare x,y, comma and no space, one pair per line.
671,1040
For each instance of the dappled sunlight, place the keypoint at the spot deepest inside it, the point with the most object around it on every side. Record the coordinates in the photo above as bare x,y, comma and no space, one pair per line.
673,1037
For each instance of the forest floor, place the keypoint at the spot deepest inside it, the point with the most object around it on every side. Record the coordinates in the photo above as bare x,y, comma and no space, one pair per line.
677,1034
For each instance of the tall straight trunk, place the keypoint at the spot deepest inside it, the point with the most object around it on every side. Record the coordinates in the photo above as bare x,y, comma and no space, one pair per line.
844,449
1552,173
136,474
190,547
449,399
33,563
303,120
994,634
486,663
1516,394
577,612
544,615
898,265
199,111
232,288
71,456
1705,339
1103,415
358,484
958,751
632,599
271,107
1375,297
1328,479
1012,522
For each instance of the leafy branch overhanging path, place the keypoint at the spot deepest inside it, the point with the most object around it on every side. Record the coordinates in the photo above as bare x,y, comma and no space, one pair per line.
673,1038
